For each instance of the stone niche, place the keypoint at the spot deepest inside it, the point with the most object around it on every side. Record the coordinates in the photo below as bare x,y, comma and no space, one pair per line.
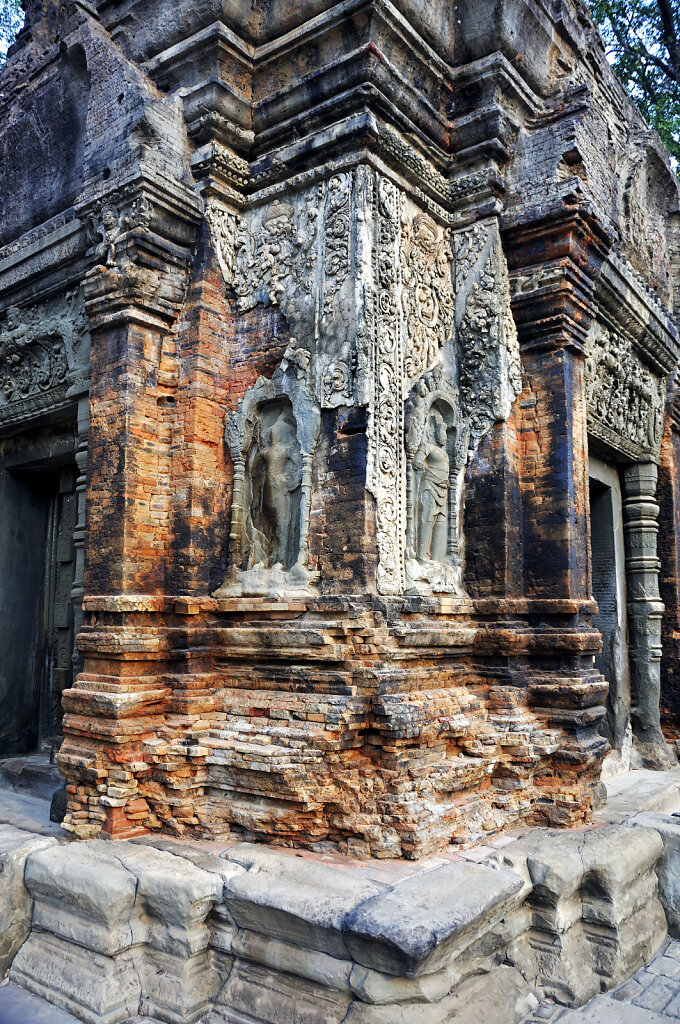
271,438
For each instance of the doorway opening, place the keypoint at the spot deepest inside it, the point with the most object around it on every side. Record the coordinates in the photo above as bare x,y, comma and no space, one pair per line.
37,564
609,591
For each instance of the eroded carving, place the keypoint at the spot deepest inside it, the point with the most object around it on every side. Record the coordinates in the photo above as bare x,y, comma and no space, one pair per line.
272,437
436,449
625,400
109,225
223,225
489,371
274,471
274,254
43,349
427,295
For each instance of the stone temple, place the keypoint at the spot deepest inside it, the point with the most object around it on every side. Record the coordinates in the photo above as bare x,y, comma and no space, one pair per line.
339,432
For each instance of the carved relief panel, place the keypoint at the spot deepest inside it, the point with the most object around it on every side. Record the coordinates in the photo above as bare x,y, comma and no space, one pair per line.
393,311
436,453
440,319
44,352
625,400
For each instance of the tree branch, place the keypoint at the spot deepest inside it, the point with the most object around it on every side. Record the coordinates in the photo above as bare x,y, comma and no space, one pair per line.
670,36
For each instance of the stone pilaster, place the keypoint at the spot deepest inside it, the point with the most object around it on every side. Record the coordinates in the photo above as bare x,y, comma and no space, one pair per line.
554,267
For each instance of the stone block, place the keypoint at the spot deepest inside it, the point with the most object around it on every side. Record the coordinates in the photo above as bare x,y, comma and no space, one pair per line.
96,988
85,895
262,996
668,866
420,924
293,899
595,914
373,987
604,1010
502,997
209,862
278,955
16,904
176,989
173,891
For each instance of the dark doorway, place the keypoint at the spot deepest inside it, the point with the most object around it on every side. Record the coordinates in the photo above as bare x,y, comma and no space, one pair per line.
37,520
609,592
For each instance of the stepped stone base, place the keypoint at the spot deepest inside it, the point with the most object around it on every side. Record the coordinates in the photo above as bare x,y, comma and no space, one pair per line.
261,936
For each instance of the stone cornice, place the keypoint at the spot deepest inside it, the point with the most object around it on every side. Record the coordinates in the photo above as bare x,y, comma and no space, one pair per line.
555,260
47,259
628,303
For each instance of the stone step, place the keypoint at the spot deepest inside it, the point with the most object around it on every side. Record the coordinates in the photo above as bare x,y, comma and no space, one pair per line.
33,774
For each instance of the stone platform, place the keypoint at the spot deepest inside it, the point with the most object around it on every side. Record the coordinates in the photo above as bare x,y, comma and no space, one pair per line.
234,933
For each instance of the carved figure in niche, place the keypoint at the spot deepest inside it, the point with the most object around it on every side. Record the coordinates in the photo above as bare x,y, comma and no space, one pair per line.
109,231
272,436
436,447
431,490
276,479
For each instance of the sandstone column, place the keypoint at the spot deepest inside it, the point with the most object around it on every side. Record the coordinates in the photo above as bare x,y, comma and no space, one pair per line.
645,610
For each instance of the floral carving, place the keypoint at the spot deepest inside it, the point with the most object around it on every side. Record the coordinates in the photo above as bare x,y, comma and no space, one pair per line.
387,478
427,295
489,371
336,236
339,374
39,347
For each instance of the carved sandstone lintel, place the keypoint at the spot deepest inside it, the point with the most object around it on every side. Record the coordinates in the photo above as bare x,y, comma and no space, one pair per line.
625,400
43,349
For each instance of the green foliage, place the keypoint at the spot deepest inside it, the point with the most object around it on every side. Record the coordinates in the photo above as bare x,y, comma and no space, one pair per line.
11,20
643,43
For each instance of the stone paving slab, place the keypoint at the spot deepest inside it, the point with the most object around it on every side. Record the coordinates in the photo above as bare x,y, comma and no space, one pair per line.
642,789
17,1006
605,1010
28,812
